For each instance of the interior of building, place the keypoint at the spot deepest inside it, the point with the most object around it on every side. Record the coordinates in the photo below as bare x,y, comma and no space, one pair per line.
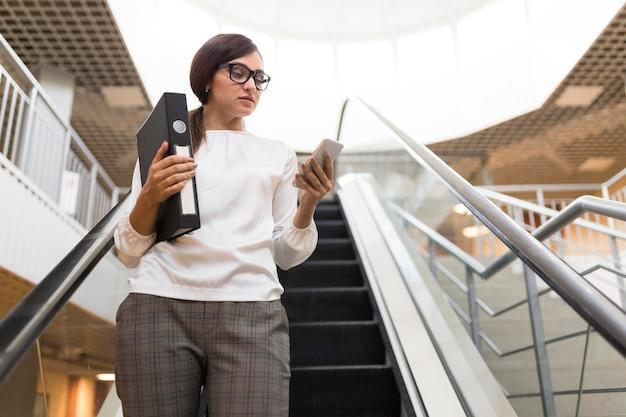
470,256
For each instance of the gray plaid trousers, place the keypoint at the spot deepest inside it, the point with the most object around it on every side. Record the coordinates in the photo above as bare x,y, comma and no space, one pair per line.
167,349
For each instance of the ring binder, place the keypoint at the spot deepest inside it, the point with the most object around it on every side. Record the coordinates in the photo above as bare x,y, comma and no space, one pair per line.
179,214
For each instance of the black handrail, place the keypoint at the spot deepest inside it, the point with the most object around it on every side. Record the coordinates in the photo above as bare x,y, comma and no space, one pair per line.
21,327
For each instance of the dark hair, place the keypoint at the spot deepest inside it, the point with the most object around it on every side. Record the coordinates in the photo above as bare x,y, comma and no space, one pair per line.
219,49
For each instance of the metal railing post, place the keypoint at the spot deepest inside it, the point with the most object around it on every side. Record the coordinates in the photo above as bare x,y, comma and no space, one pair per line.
30,118
607,195
539,342
582,372
431,258
66,152
115,196
617,263
539,338
472,306
5,98
91,205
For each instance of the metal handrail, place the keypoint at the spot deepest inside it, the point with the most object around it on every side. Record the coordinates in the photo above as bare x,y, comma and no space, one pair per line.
488,272
21,327
604,315
479,301
492,345
17,61
584,204
548,212
608,183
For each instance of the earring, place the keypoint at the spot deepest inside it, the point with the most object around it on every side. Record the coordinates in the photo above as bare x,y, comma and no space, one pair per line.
206,90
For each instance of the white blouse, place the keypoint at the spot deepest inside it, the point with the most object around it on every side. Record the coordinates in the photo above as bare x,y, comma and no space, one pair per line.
247,204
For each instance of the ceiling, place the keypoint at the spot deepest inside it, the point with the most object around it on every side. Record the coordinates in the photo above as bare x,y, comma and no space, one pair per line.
82,38
549,144
77,341
552,143
325,20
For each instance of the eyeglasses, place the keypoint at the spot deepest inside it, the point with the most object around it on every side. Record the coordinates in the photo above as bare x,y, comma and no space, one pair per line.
239,73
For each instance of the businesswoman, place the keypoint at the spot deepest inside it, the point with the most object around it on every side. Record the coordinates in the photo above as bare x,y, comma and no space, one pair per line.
204,309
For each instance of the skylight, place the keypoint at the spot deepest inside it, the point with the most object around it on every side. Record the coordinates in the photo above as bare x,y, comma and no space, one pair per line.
449,70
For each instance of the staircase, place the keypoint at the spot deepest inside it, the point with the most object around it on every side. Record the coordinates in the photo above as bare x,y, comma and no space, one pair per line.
339,365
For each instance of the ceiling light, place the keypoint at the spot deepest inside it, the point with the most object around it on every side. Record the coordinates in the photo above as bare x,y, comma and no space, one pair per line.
475,231
596,164
461,209
124,97
105,377
578,95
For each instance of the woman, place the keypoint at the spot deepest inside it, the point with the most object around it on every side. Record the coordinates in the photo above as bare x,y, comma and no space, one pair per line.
204,309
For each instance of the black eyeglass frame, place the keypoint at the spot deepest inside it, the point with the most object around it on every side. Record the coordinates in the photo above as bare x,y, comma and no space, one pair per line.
251,73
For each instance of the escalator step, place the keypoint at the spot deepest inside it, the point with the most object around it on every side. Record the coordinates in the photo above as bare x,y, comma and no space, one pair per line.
327,212
330,273
332,199
327,304
336,343
331,229
344,391
333,249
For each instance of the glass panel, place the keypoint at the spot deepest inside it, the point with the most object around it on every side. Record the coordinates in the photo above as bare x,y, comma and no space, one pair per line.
413,196
69,371
21,393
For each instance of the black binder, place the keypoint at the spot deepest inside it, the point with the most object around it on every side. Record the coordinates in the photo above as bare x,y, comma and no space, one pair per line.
168,120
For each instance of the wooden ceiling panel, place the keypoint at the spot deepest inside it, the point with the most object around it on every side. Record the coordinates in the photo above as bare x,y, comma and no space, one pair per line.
548,144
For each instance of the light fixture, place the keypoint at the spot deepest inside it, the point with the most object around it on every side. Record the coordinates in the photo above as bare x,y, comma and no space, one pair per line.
105,377
123,97
596,164
461,209
578,95
475,231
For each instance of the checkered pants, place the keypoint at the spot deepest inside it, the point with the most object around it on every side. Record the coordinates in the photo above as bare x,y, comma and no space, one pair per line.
168,350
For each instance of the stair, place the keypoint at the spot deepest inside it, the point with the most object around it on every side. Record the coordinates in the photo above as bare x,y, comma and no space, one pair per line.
339,367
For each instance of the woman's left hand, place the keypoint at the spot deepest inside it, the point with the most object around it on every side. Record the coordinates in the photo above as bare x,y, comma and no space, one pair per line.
314,181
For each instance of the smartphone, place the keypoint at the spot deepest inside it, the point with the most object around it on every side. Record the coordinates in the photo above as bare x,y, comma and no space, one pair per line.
326,145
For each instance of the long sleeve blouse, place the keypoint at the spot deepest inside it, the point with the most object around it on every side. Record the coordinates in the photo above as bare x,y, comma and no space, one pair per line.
247,204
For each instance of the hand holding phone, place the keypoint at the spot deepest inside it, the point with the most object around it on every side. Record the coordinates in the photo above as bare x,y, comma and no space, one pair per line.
326,145
313,183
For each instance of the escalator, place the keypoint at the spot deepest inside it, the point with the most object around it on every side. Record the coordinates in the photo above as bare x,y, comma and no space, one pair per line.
376,327
339,362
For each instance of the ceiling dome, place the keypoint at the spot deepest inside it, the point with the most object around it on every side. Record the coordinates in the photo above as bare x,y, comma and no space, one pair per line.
339,20
439,68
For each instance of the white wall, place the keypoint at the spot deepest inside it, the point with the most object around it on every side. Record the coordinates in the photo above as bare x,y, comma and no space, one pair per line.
36,235
59,84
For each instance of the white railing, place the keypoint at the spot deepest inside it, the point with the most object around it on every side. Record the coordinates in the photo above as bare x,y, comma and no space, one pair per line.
44,147
620,193
559,203
592,240
540,190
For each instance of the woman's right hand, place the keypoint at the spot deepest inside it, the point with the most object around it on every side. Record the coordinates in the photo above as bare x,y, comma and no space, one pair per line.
167,175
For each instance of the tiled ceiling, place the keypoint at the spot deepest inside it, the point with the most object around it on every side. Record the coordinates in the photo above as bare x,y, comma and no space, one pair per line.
81,341
548,145
81,37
